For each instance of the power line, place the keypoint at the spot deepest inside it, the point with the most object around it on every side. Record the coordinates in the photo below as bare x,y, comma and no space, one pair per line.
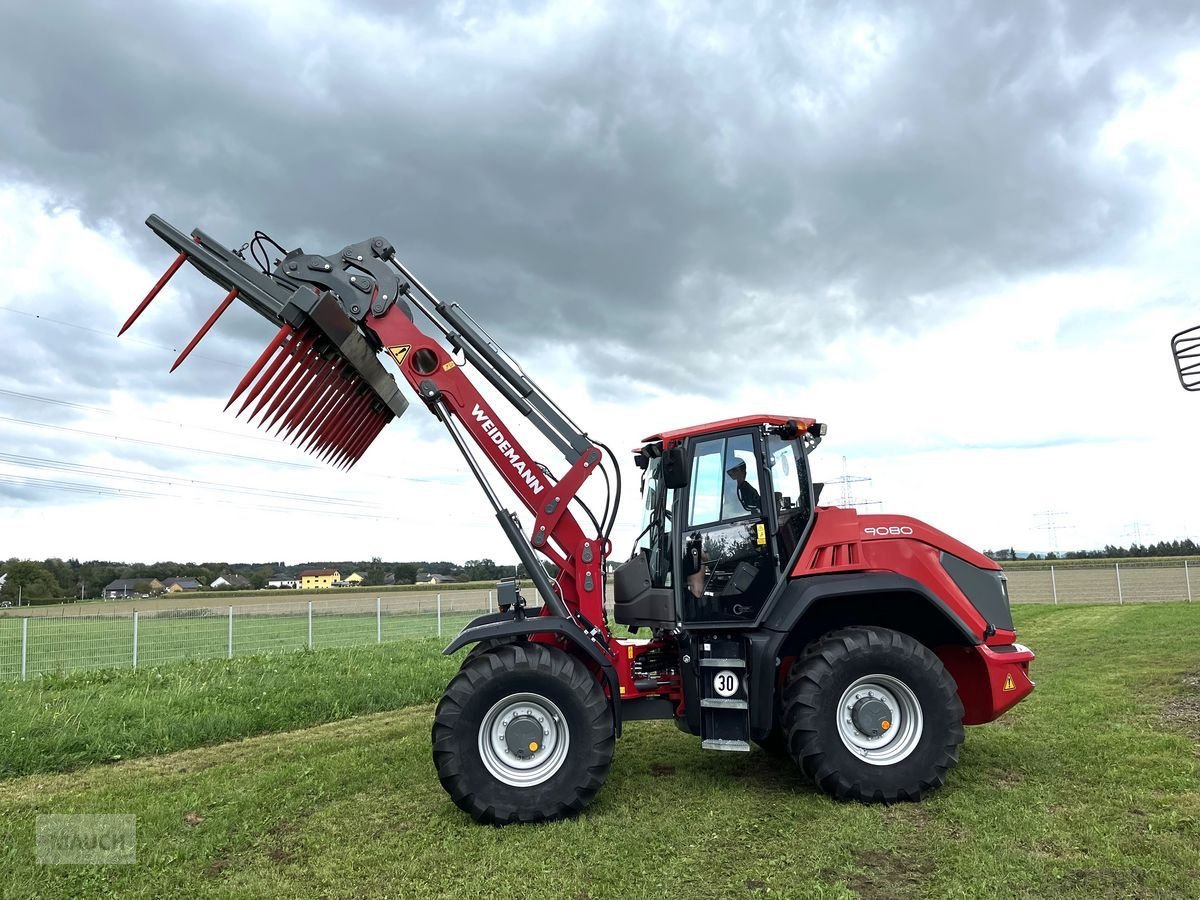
33,462
261,459
70,404
111,336
79,488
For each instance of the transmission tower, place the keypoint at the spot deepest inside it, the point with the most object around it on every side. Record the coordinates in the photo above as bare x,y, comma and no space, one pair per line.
848,498
1052,526
1139,532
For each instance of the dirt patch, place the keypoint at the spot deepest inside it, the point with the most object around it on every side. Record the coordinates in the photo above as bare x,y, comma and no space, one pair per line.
887,874
279,856
1110,883
1003,777
658,770
1182,712
192,818
218,866
753,884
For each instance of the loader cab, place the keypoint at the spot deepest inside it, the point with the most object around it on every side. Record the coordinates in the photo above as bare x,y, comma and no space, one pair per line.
725,510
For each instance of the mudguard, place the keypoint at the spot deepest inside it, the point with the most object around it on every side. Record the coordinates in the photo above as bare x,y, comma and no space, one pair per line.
505,625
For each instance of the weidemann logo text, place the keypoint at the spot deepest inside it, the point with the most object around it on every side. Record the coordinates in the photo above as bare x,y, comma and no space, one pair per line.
514,459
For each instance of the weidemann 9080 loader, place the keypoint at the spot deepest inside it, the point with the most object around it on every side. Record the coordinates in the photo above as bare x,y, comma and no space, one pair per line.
858,646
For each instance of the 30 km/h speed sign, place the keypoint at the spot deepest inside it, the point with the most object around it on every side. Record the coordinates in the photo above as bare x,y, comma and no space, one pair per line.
725,683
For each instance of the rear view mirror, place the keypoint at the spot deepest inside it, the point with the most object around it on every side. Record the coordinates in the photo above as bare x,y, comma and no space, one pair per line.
1186,348
674,469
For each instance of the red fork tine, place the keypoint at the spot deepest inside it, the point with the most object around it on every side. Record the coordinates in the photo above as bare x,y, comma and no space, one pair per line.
275,344
285,377
334,438
318,422
373,433
306,373
171,270
229,298
341,442
312,400
366,435
284,363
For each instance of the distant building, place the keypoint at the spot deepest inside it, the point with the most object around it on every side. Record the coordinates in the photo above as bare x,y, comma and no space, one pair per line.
177,585
232,580
431,578
355,578
122,587
282,580
319,578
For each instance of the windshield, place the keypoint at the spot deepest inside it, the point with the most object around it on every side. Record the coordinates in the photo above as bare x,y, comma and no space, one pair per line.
655,537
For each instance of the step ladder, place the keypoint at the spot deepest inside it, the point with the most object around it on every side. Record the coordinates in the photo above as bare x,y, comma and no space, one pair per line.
724,694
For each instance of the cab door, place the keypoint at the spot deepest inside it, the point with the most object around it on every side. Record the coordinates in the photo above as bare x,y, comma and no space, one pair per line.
728,556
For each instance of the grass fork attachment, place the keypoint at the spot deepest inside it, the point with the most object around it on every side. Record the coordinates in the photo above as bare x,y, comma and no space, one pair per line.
318,383
1185,347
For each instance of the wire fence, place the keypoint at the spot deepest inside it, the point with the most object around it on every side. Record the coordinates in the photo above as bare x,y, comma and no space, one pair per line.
1128,582
68,642
41,644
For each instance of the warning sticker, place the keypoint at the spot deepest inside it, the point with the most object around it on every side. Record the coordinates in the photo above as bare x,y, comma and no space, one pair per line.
762,534
1009,684
447,366
399,352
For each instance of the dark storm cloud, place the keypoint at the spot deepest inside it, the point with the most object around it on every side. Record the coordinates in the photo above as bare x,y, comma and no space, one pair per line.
660,194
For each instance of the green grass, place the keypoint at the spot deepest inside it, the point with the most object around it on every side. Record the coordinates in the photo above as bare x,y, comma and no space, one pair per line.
1088,789
61,722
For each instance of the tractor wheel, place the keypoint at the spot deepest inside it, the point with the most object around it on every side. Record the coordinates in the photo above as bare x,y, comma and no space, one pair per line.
484,646
523,733
872,715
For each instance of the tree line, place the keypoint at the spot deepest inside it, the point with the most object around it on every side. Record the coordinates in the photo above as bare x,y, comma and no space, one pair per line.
1186,547
70,579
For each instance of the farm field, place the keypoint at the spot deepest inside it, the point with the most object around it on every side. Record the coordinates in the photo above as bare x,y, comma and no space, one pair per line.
1088,789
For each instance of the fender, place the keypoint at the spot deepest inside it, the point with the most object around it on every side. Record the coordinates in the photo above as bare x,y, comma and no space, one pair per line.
504,625
789,609
801,593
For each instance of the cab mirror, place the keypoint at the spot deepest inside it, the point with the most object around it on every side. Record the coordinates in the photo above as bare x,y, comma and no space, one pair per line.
674,469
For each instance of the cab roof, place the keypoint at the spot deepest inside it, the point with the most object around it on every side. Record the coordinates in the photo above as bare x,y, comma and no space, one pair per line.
670,438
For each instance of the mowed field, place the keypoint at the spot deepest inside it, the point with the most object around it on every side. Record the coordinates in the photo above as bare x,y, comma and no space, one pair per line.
1091,788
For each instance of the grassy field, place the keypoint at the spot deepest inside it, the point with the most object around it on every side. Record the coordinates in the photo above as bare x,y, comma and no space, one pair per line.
1088,789
80,643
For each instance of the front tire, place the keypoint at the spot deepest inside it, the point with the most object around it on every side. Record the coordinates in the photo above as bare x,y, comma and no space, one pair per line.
523,733
872,715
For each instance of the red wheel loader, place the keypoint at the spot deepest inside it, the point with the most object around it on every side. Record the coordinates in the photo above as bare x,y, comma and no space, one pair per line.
853,646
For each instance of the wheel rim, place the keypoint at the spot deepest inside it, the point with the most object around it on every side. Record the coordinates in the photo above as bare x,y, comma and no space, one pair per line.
523,739
879,719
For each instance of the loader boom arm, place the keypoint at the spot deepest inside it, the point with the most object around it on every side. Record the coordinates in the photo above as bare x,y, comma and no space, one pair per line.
320,382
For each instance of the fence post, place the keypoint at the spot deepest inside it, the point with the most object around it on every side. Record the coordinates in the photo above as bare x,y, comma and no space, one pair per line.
1053,586
135,626
439,614
379,620
231,632
1188,578
1120,593
489,601
24,646
309,624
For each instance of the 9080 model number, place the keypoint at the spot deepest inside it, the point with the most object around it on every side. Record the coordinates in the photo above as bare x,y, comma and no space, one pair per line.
889,529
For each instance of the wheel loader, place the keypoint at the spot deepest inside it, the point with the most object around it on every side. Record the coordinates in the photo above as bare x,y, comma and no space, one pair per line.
856,647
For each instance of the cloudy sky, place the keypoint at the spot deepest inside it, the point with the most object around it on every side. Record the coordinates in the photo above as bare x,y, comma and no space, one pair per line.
961,234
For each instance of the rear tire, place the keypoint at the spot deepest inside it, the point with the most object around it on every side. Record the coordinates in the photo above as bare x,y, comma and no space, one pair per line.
872,715
523,733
